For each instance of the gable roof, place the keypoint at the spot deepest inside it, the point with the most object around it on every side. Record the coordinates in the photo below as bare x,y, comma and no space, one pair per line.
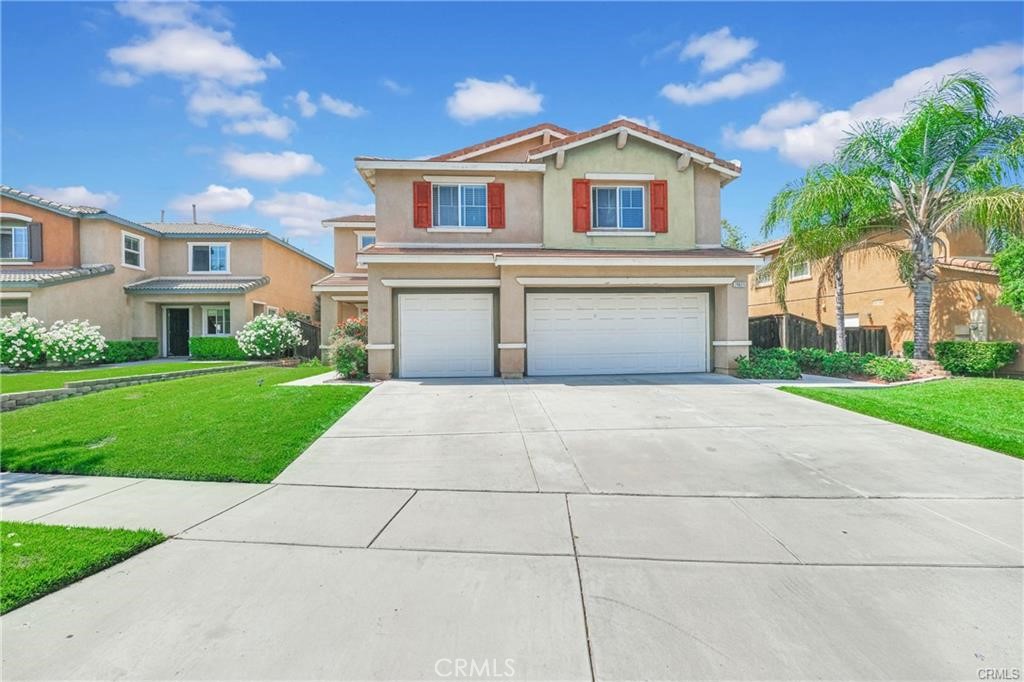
67,210
701,155
204,229
19,278
504,141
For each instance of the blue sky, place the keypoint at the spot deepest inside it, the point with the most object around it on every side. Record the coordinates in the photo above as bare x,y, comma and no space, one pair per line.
149,107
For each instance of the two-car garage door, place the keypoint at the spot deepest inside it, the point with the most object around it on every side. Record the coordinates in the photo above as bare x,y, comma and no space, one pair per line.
616,333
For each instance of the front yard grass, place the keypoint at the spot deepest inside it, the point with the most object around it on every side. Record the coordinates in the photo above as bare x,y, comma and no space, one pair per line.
37,381
237,426
985,412
36,559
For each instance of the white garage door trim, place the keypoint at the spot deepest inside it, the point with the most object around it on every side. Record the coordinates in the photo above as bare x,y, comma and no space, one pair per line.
600,332
446,335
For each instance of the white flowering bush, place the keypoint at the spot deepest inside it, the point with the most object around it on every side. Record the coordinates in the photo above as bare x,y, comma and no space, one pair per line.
21,340
74,342
269,335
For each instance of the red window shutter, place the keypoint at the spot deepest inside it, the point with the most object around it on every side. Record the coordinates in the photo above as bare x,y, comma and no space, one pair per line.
659,205
421,204
580,205
496,205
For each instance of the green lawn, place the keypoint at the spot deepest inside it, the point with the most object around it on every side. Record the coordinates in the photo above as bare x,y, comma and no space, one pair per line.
37,559
36,381
236,426
985,412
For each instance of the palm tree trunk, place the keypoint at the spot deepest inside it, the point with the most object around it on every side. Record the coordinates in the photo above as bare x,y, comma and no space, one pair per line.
923,285
837,273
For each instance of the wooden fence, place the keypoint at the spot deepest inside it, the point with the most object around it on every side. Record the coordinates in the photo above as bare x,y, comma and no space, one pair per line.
794,333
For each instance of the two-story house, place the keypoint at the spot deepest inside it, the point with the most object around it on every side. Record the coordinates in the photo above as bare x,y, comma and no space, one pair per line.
343,292
163,281
549,252
964,303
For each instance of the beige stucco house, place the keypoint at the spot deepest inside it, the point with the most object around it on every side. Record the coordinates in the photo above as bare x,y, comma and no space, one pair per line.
163,281
548,252
343,292
964,303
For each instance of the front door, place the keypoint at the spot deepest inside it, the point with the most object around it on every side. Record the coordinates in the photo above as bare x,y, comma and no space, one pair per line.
177,331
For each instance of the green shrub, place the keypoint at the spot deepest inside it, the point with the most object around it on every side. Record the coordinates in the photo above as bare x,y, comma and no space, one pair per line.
768,363
215,348
350,358
840,364
889,369
974,358
811,360
130,351
908,349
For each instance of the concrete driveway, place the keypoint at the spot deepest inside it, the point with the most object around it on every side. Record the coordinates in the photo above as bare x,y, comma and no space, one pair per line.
675,527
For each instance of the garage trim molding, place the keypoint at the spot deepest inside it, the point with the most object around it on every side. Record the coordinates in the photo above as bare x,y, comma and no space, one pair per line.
622,281
441,283
732,343
380,346
511,346
654,261
424,258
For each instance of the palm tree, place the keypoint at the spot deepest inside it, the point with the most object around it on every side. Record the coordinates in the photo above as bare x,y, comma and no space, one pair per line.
943,166
830,214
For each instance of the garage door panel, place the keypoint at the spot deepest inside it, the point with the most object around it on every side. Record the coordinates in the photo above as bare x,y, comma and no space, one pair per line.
616,333
446,335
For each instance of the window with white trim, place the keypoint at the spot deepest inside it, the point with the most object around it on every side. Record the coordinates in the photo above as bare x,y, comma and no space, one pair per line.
131,251
459,205
366,241
13,241
762,277
216,321
800,271
209,258
618,208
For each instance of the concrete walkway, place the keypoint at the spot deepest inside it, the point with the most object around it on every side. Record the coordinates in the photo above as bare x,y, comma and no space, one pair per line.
600,528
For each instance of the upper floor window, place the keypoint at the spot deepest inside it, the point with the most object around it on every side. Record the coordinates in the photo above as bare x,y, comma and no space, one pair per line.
460,205
618,208
131,251
13,241
800,271
209,258
366,241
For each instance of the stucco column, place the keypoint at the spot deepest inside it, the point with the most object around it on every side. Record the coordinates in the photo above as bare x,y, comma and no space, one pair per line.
511,326
381,340
731,326
328,320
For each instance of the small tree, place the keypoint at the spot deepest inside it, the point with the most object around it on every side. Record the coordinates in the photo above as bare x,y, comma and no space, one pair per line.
1010,263
74,342
269,336
21,340
732,236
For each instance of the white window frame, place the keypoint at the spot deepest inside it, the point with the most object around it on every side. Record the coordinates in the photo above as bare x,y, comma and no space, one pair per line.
227,258
761,276
644,227
802,276
206,309
458,206
12,226
141,251
360,235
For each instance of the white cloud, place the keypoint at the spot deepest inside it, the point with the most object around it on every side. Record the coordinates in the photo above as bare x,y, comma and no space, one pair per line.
475,99
395,87
718,50
300,213
213,99
814,138
341,107
269,125
119,79
750,78
192,51
215,199
769,129
649,122
306,106
271,167
158,13
76,195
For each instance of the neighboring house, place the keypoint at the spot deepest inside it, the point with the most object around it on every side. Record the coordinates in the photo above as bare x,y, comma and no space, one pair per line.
164,281
548,252
963,307
343,292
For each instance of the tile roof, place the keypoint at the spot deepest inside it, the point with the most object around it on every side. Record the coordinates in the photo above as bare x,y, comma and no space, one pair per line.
767,246
204,228
623,123
36,199
196,285
41,277
342,279
961,263
498,140
354,218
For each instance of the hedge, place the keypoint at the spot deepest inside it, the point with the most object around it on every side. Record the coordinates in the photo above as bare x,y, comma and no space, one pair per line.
215,348
779,363
974,358
908,349
130,351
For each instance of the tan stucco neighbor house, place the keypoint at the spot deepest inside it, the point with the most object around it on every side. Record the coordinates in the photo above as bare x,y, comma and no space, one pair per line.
551,252
343,292
964,304
162,281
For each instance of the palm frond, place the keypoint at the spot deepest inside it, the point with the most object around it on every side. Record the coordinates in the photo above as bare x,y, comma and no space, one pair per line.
999,208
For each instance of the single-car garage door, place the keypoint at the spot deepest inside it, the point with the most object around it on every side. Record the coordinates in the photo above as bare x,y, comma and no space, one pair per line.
616,333
446,335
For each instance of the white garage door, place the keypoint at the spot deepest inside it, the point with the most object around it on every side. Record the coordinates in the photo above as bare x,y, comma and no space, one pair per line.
445,335
616,333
